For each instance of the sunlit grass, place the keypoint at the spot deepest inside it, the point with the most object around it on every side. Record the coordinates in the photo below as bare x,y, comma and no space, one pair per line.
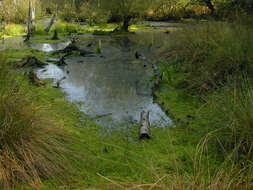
13,30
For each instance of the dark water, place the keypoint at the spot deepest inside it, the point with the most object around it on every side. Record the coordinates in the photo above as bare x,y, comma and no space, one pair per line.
113,86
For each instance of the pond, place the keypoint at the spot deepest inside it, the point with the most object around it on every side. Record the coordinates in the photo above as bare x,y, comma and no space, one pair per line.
112,87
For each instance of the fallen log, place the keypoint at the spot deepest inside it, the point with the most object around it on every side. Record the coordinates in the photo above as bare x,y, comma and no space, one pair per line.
144,129
29,61
71,49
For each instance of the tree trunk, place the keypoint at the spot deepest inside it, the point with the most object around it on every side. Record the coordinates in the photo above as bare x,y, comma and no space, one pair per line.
33,17
47,29
55,37
29,22
209,5
144,130
126,24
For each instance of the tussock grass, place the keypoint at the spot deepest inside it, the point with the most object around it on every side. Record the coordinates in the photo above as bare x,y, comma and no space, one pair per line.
32,145
231,110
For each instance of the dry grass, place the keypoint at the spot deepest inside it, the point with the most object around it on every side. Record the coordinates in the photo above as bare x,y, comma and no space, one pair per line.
32,146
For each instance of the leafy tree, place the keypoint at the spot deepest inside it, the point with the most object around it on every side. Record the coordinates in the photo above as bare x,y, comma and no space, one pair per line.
208,3
125,10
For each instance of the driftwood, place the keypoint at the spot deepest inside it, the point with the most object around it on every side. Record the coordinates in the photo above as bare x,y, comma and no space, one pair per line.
157,76
102,116
144,129
29,61
47,29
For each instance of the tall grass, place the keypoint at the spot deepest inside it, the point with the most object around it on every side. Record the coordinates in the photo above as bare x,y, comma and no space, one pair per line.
209,53
32,146
213,61
231,110
226,175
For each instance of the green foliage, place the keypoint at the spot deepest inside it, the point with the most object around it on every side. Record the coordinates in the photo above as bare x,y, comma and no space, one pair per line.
68,13
93,15
39,30
14,30
17,13
67,28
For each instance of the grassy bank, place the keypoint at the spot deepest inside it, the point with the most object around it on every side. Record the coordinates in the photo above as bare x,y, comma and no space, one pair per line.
92,156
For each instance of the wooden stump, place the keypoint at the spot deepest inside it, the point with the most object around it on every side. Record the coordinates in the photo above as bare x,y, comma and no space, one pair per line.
55,37
144,129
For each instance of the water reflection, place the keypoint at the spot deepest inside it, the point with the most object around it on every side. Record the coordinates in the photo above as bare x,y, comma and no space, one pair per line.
116,86
47,47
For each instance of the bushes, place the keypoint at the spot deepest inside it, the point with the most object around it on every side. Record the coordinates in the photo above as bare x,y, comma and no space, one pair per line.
66,28
33,146
39,30
208,53
61,27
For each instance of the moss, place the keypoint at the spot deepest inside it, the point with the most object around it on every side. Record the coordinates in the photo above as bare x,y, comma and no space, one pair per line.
67,28
39,30
136,27
101,28
17,54
15,30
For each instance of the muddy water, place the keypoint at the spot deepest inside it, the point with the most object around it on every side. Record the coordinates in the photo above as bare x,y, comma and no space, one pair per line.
114,86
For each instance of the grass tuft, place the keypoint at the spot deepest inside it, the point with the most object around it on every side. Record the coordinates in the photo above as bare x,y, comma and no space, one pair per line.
32,146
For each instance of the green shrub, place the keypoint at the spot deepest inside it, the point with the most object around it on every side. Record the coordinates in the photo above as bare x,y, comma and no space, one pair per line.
39,30
66,28
14,30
